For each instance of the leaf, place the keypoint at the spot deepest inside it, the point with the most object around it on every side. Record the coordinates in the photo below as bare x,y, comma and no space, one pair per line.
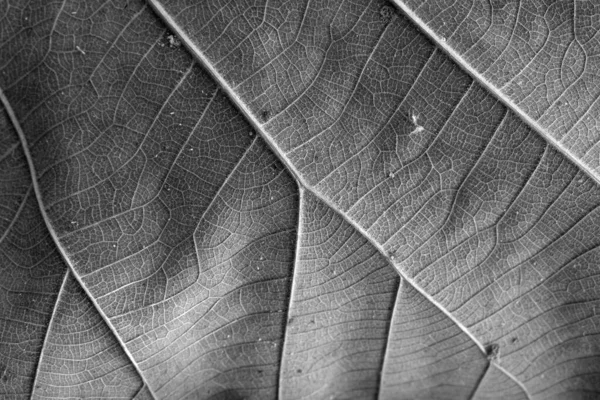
299,200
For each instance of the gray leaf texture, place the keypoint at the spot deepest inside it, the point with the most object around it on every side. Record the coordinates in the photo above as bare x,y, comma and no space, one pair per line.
299,199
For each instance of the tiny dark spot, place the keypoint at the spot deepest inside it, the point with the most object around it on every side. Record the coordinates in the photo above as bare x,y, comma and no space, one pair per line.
260,371
386,13
265,115
276,166
290,320
492,351
299,371
514,340
312,321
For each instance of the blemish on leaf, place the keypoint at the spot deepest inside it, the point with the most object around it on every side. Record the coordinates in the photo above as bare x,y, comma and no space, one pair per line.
265,115
418,129
173,41
414,117
514,340
299,371
492,351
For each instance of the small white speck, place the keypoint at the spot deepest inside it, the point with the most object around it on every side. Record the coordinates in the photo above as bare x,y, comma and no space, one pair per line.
391,175
80,50
443,39
415,118
173,41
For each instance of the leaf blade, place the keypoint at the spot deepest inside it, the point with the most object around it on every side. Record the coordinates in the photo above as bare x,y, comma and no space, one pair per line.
335,189
474,240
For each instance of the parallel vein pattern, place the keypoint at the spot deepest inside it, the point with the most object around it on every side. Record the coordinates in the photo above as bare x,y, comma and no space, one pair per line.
296,200
462,195
53,341
544,57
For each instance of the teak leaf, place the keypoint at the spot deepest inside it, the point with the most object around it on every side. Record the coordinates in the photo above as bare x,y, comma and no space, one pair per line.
299,200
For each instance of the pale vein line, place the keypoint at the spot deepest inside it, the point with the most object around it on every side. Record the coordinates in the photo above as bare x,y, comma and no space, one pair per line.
16,217
386,357
9,150
293,289
243,108
534,125
510,104
50,325
208,66
54,236
125,163
217,196
514,378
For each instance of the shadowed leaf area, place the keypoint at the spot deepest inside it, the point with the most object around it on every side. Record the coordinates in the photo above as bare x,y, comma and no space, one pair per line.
299,199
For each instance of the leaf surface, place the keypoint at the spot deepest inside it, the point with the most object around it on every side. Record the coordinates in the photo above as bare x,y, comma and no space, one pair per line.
298,200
